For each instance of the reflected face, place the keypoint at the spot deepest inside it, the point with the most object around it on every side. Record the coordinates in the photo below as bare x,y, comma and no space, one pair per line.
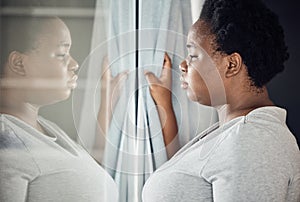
50,69
202,69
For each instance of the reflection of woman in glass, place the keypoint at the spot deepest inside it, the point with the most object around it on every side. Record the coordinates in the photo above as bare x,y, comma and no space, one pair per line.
38,161
235,48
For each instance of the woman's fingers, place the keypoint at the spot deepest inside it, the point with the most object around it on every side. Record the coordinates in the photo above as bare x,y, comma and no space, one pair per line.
151,79
120,78
167,61
166,72
105,70
165,78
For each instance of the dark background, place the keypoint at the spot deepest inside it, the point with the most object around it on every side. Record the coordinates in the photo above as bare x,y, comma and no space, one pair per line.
284,89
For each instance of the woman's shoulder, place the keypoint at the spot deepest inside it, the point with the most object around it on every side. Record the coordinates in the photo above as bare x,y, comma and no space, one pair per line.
265,125
256,145
261,137
9,139
15,156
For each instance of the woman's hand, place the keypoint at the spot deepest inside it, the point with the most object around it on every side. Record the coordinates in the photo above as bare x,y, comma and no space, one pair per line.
111,87
160,89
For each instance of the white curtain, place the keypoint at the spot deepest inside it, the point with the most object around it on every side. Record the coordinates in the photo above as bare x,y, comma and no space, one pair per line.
135,34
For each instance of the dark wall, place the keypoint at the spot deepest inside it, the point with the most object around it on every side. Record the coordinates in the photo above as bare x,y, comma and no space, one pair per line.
284,89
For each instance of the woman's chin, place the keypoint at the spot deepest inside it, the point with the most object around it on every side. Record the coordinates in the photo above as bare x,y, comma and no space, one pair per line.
193,97
51,97
64,95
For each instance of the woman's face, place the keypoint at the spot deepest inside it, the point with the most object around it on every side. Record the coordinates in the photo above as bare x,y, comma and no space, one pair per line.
202,69
50,69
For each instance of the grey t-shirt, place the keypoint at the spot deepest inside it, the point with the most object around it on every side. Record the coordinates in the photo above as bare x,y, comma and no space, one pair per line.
251,158
39,168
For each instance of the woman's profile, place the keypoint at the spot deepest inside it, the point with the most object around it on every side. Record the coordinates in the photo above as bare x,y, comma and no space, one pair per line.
38,161
234,49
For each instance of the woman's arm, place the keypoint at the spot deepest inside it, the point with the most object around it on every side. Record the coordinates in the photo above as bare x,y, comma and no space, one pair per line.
160,89
110,90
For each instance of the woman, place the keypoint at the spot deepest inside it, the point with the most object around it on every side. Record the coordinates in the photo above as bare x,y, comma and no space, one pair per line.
235,48
38,161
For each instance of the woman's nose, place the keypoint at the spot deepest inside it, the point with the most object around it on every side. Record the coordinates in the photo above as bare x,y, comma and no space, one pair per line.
183,66
73,65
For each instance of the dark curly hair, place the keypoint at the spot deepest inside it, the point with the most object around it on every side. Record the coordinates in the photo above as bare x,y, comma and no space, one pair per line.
249,28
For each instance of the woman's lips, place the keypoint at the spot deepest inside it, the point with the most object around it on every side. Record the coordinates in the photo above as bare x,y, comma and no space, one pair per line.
72,82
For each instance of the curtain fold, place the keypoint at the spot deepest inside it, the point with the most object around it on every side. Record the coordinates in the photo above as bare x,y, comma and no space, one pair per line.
138,33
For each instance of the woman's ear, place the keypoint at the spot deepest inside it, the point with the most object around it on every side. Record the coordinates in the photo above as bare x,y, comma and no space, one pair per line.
234,65
15,63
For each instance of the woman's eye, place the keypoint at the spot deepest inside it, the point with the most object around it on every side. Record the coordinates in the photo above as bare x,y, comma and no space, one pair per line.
193,57
61,55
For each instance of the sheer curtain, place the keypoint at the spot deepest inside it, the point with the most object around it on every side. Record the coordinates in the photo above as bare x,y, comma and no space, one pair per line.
135,34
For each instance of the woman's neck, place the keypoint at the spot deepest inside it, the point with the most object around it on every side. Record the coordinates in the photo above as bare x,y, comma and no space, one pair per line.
25,111
243,104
